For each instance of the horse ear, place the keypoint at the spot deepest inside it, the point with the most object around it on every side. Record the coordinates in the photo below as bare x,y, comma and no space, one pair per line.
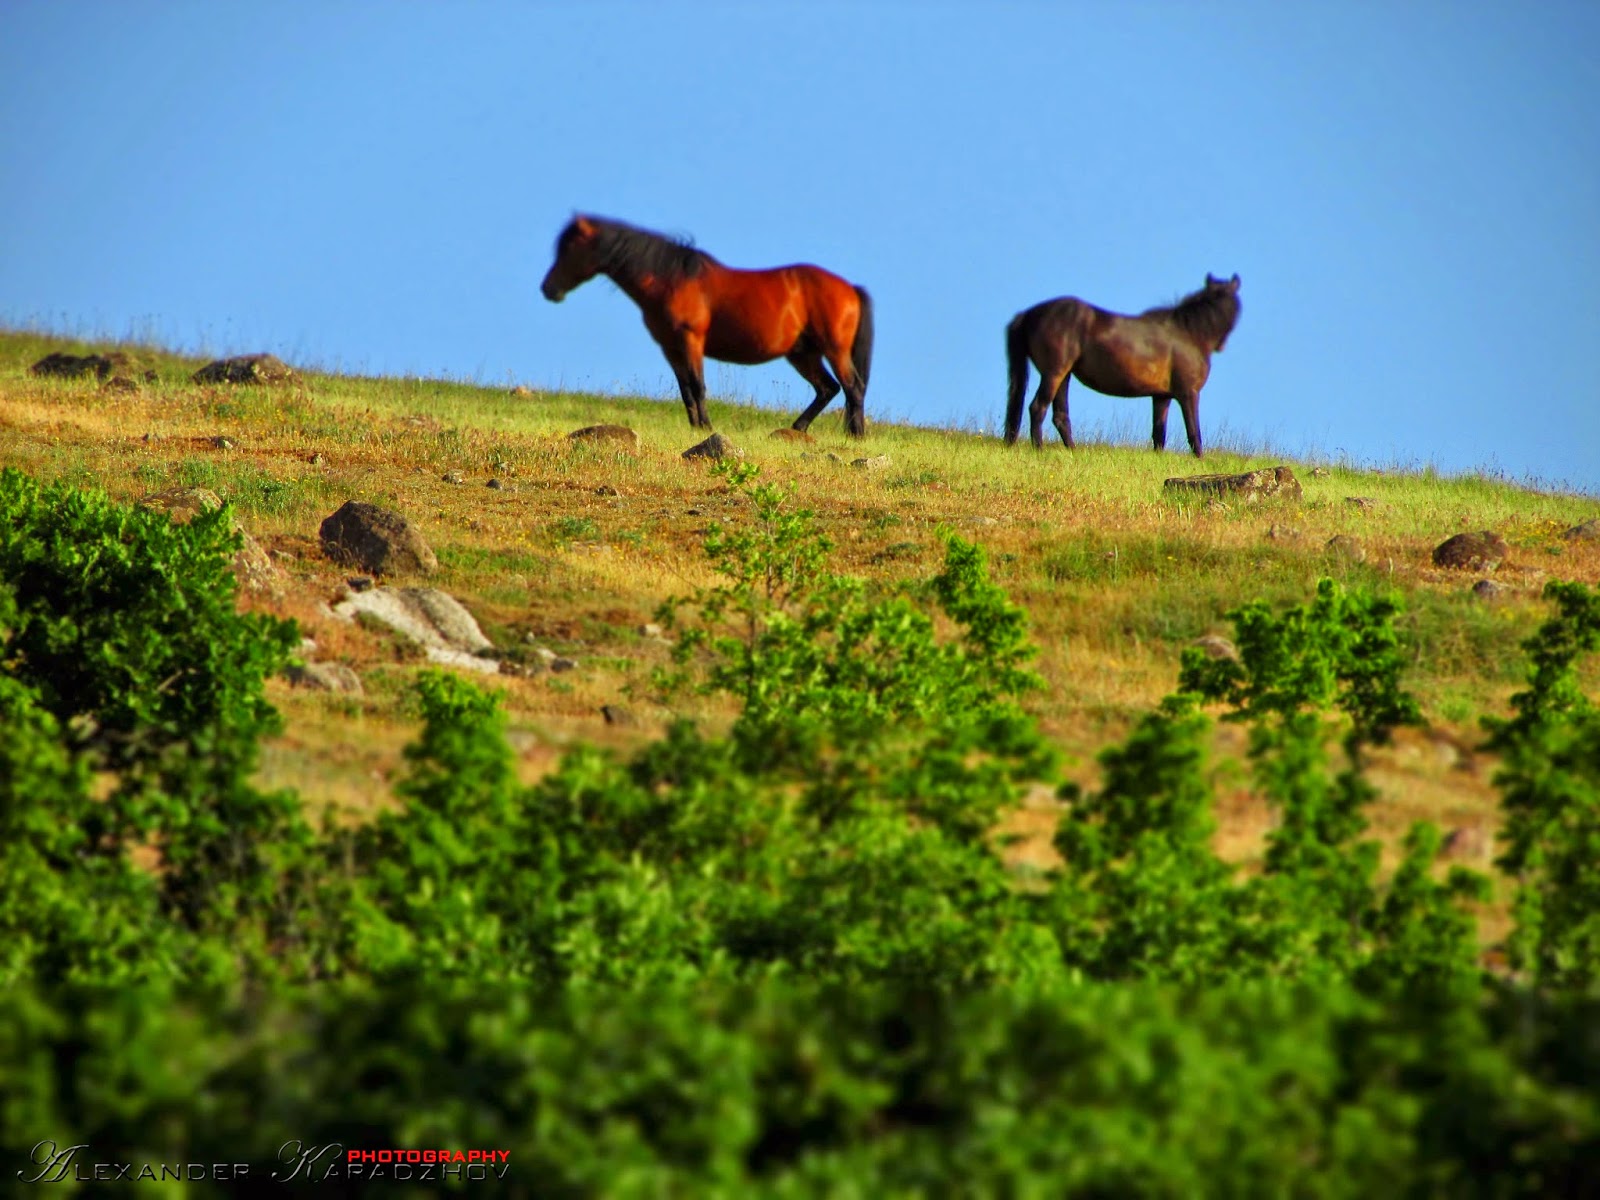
584,226
1211,279
1235,283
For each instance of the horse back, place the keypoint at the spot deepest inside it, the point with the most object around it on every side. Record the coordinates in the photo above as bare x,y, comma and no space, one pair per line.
758,315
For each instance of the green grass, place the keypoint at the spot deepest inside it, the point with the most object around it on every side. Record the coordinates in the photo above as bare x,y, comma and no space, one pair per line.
1117,576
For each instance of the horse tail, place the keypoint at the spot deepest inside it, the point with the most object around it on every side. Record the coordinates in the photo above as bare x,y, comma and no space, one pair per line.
861,348
1017,363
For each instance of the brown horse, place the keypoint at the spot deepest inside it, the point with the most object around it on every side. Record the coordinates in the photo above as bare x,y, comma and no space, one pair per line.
1163,353
697,308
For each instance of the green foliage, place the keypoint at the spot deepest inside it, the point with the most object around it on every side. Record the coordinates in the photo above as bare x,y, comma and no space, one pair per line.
1142,894
1550,778
123,656
787,960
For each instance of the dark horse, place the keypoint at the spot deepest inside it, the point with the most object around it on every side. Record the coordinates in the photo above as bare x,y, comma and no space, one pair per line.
1164,353
697,308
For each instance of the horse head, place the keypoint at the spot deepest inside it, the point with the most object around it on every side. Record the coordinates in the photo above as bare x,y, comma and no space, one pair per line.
1227,291
577,259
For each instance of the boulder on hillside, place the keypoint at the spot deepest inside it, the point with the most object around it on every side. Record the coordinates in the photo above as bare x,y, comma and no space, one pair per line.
325,677
1480,551
1589,531
261,369
614,435
435,620
377,540
715,446
1269,483
75,366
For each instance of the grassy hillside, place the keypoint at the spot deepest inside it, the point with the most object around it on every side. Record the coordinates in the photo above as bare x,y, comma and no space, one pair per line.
578,547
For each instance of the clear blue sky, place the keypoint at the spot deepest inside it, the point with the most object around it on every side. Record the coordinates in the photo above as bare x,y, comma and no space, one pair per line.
1410,192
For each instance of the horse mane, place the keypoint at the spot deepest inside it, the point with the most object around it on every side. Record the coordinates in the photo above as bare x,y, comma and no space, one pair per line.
1207,315
629,250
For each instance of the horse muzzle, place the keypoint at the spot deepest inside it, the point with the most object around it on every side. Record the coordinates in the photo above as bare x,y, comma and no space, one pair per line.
552,293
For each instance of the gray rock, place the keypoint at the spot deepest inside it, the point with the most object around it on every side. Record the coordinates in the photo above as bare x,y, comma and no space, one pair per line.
435,620
1344,546
252,565
650,629
453,477
1269,483
1480,551
75,366
1364,503
1589,531
560,664
259,369
715,446
376,539
613,435
1217,646
1488,589
876,462
326,677
615,715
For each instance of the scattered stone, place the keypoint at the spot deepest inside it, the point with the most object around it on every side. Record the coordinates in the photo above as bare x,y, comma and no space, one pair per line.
284,556
692,512
1284,533
651,630
520,390
605,489
544,653
616,716
223,443
120,383
984,521
1589,531
560,664
1464,842
876,462
436,620
715,446
496,485
1342,545
792,435
75,366
358,583
377,540
264,370
1488,589
316,460
1216,646
1364,503
453,477
1269,483
307,648
1480,551
618,435
151,437
325,677
1319,472
501,465
523,670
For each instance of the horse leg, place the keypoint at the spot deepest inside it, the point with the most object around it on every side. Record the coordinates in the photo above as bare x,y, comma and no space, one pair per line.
1158,421
1058,407
808,361
1049,385
855,393
1189,402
